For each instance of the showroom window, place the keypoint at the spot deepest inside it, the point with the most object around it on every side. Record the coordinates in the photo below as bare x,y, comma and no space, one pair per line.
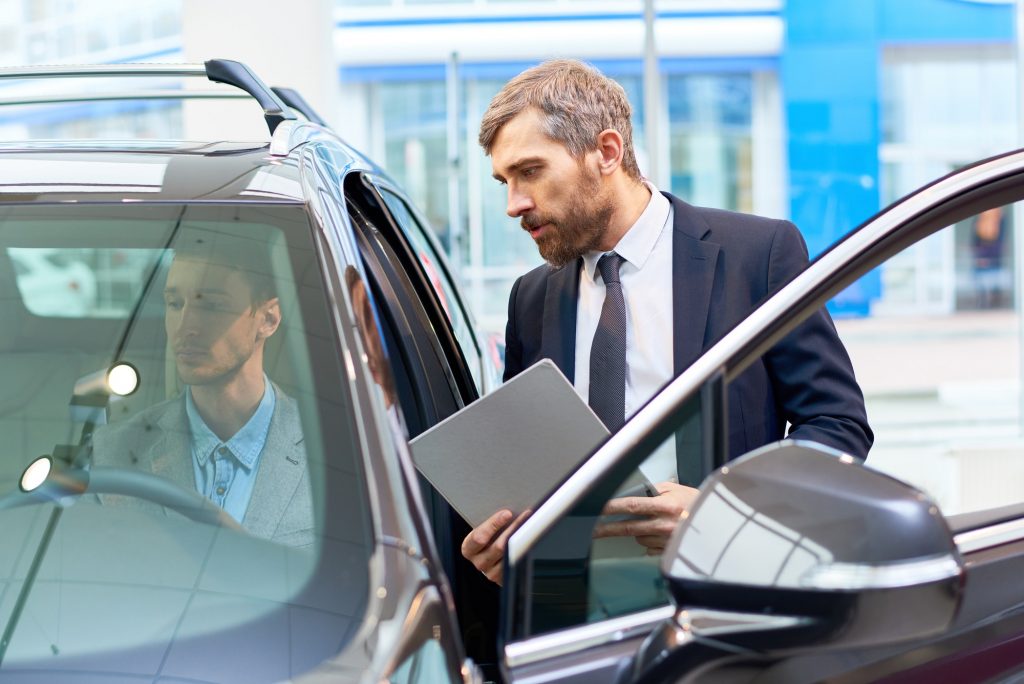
710,129
942,391
928,130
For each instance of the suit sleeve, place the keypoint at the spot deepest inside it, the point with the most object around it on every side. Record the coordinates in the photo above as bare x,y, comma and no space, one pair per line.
513,345
810,370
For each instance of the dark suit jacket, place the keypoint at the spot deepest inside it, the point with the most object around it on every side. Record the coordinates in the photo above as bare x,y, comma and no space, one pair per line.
723,265
157,441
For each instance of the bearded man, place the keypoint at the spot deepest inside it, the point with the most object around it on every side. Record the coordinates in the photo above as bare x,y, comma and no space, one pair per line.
638,284
231,434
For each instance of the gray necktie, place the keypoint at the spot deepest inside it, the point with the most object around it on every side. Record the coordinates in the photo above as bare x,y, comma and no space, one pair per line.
608,352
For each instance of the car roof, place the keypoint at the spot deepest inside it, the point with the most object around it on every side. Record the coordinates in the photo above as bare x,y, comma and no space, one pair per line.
146,170
168,170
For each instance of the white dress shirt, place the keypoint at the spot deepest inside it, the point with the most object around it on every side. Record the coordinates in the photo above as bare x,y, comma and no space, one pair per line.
646,277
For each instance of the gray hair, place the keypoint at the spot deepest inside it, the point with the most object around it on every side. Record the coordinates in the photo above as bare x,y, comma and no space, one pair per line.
577,102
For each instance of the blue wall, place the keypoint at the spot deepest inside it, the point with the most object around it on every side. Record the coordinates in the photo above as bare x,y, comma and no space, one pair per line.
830,77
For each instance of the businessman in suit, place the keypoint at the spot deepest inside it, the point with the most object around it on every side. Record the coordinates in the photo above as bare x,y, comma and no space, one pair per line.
638,284
231,435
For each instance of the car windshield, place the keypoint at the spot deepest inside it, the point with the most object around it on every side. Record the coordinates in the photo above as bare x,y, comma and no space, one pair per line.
158,529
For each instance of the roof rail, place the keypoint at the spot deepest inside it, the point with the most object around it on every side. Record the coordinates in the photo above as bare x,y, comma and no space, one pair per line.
293,99
224,71
239,75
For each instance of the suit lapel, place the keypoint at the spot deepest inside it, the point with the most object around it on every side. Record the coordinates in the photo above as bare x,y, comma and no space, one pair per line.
160,447
171,455
693,274
558,331
281,467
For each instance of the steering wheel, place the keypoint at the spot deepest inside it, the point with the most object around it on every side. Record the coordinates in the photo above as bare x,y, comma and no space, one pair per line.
73,482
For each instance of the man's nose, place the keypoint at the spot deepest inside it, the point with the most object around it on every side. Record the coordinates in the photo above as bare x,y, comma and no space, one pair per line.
519,203
187,319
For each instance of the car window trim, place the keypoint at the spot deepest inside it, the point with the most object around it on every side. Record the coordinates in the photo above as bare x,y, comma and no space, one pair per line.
425,290
575,639
960,523
991,536
404,303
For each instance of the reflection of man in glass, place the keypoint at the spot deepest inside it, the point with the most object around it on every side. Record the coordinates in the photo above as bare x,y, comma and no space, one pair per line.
232,435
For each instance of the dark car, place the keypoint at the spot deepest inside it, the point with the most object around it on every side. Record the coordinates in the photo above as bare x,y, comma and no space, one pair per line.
796,564
111,565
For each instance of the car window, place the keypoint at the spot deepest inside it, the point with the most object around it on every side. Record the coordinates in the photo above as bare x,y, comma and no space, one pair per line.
198,519
434,267
938,359
578,576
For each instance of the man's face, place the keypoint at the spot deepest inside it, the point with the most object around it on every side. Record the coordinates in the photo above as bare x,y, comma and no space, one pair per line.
213,326
559,200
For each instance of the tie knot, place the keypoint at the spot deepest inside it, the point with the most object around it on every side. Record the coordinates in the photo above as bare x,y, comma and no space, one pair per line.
609,265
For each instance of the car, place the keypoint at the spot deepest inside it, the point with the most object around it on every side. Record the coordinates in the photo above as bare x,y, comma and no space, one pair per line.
113,566
52,284
99,577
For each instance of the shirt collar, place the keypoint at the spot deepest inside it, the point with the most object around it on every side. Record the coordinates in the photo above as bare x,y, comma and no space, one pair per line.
246,444
638,242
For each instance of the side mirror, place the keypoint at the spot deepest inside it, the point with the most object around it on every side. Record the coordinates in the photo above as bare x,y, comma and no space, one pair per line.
797,545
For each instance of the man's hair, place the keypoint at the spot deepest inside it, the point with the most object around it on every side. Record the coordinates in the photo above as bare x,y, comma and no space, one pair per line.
246,257
577,102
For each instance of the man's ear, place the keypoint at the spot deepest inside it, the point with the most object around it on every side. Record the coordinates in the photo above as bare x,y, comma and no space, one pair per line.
610,149
268,318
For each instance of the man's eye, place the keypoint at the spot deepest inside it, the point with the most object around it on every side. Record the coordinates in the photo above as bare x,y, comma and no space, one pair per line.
530,171
208,304
173,304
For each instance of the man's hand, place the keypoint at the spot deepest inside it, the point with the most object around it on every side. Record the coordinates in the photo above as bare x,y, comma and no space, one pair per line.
656,516
484,547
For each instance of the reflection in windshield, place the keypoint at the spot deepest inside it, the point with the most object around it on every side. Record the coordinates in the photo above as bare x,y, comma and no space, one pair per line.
724,534
224,326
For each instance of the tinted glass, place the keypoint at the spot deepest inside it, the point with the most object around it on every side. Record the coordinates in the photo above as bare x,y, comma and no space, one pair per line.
588,568
211,525
437,273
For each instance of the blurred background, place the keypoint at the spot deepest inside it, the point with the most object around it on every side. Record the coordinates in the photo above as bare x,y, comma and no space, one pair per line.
819,111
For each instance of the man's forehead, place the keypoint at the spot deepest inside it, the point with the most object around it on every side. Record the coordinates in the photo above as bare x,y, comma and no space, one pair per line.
198,274
523,137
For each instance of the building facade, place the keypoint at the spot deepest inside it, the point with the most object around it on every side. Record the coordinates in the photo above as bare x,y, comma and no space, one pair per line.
820,111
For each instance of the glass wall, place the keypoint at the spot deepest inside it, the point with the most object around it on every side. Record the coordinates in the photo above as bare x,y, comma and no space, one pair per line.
928,130
710,158
70,31
413,119
710,128
87,32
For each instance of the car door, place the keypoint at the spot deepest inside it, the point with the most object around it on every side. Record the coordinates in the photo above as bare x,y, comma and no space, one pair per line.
575,612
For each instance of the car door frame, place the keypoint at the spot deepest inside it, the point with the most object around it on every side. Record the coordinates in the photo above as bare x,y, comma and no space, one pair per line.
994,542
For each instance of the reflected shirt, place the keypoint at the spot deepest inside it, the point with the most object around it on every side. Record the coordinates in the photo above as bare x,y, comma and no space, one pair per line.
226,471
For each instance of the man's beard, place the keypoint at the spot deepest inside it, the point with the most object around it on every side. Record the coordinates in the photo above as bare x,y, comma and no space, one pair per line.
579,230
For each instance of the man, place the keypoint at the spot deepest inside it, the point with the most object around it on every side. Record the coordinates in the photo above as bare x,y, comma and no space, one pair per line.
231,435
639,283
